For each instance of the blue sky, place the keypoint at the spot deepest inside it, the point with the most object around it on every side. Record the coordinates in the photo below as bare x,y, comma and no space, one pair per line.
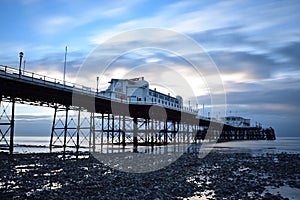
254,44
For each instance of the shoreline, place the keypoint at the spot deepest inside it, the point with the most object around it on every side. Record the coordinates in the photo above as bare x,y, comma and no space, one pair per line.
281,145
218,175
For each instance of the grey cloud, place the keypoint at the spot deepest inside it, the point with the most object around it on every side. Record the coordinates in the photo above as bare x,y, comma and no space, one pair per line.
232,49
230,38
291,52
256,65
287,97
55,61
240,53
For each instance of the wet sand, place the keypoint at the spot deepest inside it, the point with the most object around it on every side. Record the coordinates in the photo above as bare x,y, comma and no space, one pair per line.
220,175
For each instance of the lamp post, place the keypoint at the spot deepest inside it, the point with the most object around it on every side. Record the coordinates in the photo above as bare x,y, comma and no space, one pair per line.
24,66
21,56
65,65
97,83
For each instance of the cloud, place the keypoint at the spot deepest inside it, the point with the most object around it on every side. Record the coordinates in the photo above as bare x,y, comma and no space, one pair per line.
194,17
53,24
290,53
235,50
33,117
274,64
256,66
77,15
275,96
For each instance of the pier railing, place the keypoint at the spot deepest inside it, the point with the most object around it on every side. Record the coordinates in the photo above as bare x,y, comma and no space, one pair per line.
13,73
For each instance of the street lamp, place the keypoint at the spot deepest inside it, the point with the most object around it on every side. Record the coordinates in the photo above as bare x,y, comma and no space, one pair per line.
24,66
21,56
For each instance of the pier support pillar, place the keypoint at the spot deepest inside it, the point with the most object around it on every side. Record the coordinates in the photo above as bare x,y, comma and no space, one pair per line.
174,131
108,128
102,130
135,133
92,132
53,128
66,129
123,131
119,130
78,132
146,131
12,128
113,129
152,132
165,133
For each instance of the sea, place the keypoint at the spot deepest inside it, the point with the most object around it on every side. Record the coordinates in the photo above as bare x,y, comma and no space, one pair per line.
40,144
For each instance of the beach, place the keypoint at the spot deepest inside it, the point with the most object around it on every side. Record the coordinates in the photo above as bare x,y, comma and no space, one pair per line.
224,173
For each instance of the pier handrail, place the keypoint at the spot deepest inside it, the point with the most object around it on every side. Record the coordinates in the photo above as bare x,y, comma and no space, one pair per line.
36,78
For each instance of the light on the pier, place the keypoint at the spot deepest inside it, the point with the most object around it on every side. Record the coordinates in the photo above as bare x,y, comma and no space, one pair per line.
21,56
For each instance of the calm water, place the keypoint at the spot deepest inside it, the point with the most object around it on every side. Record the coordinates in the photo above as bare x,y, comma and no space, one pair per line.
282,144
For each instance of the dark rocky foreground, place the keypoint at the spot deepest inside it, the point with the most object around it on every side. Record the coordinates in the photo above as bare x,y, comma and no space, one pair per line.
217,176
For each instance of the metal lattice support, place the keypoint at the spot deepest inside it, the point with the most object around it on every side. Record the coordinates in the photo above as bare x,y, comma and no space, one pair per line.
109,129
71,128
106,130
7,124
98,121
59,127
171,131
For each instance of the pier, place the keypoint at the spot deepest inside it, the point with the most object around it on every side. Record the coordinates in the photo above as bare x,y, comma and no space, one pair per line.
86,118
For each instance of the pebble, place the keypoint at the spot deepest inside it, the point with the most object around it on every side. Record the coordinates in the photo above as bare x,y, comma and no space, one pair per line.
217,176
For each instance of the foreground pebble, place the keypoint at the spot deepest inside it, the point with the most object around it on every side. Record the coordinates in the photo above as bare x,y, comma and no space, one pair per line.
217,176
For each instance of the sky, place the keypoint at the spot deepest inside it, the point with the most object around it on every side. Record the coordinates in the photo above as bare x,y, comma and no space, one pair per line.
254,45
